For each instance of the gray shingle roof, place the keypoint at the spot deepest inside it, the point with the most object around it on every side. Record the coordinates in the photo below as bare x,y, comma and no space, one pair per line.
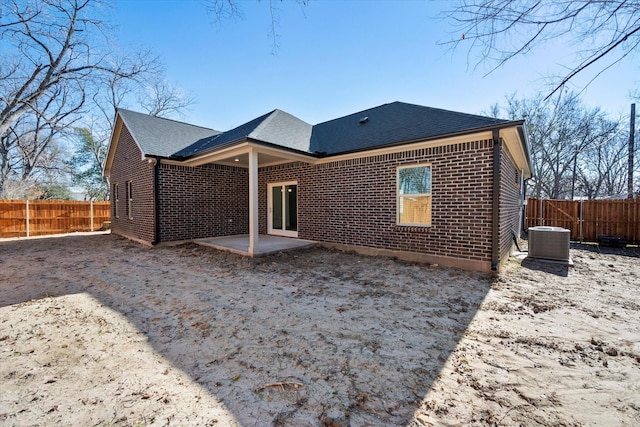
277,127
385,125
390,124
162,137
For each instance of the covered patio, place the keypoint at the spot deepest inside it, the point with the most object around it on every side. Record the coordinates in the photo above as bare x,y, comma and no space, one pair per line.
253,156
266,244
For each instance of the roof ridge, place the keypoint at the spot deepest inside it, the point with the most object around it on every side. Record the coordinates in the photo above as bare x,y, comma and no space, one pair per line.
165,118
452,111
413,105
358,112
263,123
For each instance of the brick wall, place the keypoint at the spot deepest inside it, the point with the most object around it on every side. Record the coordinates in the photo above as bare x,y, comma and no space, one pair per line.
353,202
510,202
349,202
129,166
206,201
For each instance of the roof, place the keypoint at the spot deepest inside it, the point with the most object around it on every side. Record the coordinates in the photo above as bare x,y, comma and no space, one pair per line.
386,125
277,127
157,136
391,124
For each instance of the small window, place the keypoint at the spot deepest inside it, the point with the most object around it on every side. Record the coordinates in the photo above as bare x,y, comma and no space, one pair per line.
130,199
116,198
414,195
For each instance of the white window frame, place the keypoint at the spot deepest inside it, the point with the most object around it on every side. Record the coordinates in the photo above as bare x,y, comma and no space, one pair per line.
130,199
400,196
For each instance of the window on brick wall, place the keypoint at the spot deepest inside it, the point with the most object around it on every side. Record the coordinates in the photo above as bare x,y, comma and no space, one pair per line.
130,199
413,204
116,198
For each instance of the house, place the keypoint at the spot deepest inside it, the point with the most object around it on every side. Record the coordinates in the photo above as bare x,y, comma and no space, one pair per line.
401,180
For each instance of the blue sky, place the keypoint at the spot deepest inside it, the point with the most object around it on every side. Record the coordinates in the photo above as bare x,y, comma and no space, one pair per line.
336,58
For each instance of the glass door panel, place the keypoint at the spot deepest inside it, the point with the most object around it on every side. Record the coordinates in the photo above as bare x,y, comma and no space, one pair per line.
291,207
283,209
276,197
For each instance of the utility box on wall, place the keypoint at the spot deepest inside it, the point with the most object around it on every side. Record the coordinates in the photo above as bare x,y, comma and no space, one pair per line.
549,243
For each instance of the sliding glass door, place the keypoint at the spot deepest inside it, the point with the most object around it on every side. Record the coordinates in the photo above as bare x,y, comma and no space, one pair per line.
283,208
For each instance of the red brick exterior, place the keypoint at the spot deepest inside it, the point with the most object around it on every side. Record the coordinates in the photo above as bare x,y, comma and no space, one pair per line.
353,202
128,165
510,203
348,202
205,201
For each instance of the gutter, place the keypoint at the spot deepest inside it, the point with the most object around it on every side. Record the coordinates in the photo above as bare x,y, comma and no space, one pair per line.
524,206
495,221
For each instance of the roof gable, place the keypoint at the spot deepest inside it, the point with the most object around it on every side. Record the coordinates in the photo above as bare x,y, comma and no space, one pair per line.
158,136
277,128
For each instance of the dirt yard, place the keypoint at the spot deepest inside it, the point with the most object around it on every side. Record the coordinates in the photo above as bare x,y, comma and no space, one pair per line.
99,331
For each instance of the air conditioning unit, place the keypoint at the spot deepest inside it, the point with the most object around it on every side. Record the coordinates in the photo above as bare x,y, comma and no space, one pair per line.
549,243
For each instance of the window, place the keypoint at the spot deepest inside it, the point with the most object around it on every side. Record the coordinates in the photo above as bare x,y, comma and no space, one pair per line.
115,200
414,195
130,199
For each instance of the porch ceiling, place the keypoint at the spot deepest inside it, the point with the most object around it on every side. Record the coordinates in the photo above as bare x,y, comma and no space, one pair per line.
242,160
238,155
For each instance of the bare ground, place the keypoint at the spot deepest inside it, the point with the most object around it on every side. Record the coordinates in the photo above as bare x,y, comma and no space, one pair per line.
97,330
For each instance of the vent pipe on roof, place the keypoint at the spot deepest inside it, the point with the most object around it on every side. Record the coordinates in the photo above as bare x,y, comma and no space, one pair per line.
363,120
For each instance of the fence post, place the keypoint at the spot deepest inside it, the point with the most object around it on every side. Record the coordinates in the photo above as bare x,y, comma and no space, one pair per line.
27,204
541,219
91,213
580,218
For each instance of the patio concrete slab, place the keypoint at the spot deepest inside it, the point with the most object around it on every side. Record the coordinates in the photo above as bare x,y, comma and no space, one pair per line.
266,244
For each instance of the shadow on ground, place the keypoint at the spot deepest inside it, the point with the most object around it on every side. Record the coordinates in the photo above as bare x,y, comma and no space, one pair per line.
630,251
551,267
363,338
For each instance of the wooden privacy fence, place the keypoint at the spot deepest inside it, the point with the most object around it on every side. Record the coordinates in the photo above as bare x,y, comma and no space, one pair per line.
23,218
588,219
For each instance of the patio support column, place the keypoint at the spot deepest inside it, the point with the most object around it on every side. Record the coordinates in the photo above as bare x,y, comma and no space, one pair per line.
253,202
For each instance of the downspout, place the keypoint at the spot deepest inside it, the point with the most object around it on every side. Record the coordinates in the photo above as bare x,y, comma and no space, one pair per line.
495,222
156,201
524,228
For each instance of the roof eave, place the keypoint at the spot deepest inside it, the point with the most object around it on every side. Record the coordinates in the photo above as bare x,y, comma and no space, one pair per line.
524,136
433,138
113,143
208,151
237,142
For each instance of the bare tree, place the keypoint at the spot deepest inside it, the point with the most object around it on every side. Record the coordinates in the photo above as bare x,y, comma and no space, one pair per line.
148,90
563,134
220,10
603,170
601,32
161,98
26,149
52,53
